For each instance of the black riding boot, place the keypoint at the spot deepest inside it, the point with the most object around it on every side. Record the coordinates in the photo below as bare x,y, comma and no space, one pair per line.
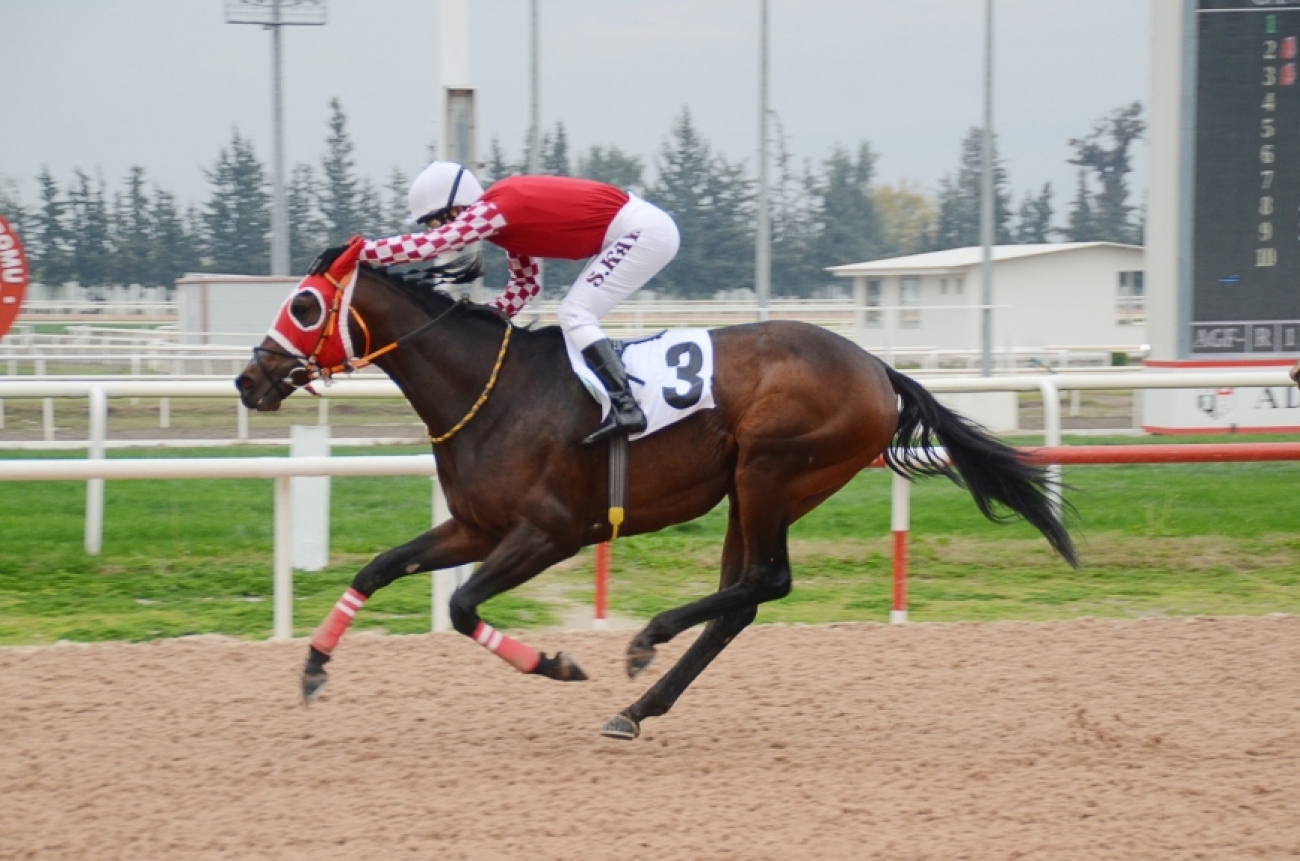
625,417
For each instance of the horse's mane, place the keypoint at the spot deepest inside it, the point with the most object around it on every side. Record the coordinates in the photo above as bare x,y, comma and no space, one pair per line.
434,301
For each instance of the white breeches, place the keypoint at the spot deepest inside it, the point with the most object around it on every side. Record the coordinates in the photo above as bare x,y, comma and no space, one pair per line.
641,240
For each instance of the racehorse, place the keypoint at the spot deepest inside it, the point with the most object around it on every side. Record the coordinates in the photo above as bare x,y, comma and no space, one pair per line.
799,412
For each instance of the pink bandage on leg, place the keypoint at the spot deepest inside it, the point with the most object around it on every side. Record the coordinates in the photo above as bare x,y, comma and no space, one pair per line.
329,632
513,652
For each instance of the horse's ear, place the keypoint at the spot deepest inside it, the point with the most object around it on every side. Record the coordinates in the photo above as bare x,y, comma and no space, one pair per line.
338,260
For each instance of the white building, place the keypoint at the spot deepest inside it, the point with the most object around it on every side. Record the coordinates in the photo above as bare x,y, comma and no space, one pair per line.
1078,296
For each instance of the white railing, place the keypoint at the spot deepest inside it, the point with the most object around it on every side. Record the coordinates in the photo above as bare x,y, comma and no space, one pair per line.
95,470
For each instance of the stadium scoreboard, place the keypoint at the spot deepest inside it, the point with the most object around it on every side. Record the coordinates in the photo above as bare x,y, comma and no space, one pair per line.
1245,272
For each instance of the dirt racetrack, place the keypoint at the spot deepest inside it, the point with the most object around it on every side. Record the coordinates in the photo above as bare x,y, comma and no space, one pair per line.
1153,739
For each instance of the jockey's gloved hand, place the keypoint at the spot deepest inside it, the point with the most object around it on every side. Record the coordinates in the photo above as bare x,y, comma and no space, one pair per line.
326,258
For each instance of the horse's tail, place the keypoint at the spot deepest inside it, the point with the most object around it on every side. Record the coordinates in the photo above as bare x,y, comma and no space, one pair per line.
992,471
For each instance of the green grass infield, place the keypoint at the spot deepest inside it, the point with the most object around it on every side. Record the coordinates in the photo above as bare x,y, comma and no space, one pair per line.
188,556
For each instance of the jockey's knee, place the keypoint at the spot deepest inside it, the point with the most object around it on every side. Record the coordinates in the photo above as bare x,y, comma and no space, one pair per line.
580,329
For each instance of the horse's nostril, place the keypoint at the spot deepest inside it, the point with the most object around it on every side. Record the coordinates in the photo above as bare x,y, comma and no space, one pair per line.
243,382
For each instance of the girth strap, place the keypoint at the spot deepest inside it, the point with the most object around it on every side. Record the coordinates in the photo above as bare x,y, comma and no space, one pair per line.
617,482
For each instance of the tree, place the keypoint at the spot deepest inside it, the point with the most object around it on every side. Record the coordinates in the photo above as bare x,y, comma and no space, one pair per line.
397,209
907,217
851,229
498,166
793,212
1034,221
961,195
709,198
237,217
89,234
307,231
174,246
49,246
1105,152
342,200
133,235
613,167
555,153
1083,221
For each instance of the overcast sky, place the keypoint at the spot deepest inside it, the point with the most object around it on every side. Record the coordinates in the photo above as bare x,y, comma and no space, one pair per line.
103,85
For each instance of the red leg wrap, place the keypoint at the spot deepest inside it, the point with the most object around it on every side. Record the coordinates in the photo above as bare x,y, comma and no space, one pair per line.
513,652
328,634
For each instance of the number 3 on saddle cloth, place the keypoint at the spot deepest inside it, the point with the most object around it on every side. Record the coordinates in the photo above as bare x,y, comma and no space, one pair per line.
671,375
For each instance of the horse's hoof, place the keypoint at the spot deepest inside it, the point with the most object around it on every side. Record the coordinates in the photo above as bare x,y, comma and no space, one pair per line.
312,685
562,668
621,726
638,659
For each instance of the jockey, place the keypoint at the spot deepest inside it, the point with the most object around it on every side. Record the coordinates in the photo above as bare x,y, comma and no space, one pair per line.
530,217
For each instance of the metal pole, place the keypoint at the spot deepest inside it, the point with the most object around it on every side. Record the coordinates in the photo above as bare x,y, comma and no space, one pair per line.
534,109
279,208
763,238
986,203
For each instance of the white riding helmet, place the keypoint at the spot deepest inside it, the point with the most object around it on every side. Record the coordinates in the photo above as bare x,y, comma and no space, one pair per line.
440,185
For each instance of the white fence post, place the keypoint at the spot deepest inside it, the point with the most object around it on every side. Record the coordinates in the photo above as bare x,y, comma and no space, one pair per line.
283,575
98,420
1052,436
311,500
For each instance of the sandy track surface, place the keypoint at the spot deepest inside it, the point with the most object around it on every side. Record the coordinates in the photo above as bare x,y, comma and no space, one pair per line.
1153,739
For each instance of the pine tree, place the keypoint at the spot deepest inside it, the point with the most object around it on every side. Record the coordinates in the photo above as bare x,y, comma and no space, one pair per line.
396,208
709,199
307,234
793,213
1083,221
132,239
341,194
960,196
12,208
555,153
498,166
1034,222
613,167
851,229
89,235
174,247
1111,212
237,217
49,246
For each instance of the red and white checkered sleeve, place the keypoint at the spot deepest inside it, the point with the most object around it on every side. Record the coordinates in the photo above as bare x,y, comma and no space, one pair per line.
522,286
480,221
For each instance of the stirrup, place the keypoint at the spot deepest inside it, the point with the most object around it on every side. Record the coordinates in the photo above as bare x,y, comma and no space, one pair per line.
611,428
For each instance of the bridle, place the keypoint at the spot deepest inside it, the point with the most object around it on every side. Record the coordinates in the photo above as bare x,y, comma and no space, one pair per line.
307,371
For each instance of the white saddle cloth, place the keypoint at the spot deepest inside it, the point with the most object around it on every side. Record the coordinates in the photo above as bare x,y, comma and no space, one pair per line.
671,375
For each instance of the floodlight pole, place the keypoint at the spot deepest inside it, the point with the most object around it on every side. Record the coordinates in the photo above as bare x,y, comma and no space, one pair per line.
271,15
986,203
534,102
279,206
763,234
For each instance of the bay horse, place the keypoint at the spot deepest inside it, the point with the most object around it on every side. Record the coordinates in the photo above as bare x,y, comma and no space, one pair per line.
799,412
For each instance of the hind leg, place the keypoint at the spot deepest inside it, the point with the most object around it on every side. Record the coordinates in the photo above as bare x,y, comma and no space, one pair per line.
450,544
741,588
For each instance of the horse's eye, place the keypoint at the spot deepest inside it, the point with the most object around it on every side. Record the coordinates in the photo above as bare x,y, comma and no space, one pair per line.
306,309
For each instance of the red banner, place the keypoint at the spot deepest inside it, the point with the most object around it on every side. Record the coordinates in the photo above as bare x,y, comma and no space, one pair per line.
13,275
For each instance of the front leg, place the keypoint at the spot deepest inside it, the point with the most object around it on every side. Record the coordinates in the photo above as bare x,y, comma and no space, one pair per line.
449,544
523,554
